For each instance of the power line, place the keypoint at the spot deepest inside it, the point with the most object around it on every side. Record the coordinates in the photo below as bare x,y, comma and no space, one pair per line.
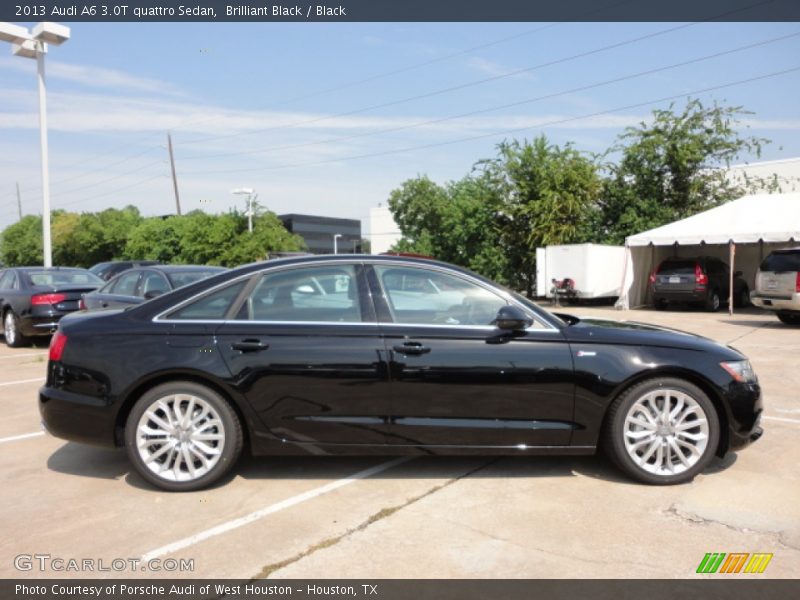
500,106
513,130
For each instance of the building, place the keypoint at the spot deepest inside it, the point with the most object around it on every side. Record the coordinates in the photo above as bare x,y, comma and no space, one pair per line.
383,231
319,233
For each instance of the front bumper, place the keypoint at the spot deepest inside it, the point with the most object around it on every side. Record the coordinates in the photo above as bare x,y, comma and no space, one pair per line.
746,405
76,417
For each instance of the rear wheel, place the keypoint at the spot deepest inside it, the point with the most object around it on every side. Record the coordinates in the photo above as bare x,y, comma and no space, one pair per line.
14,338
789,318
742,298
713,301
183,436
662,431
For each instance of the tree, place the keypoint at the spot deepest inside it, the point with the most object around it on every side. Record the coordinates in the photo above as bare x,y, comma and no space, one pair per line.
21,243
548,194
672,168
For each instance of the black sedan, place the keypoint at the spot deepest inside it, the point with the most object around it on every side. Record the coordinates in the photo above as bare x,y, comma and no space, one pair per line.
134,286
33,299
386,355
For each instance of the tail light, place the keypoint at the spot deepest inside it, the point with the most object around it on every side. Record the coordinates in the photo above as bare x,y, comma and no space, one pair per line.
57,345
797,282
81,304
39,299
652,277
700,278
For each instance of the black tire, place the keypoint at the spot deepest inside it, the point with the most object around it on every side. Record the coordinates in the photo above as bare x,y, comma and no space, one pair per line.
231,428
742,299
613,435
661,304
713,301
13,337
789,318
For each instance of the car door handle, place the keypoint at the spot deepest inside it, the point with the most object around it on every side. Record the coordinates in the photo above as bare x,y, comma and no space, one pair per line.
413,348
104,304
249,346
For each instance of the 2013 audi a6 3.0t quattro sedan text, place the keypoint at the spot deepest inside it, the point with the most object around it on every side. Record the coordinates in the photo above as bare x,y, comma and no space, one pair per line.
386,355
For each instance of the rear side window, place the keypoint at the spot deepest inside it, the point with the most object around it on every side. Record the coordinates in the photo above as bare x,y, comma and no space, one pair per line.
677,267
782,261
213,306
312,294
125,284
7,280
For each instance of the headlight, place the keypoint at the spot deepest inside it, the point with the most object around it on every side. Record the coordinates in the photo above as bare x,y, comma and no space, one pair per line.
740,370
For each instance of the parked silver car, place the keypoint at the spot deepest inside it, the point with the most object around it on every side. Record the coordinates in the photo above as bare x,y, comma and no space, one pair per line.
778,285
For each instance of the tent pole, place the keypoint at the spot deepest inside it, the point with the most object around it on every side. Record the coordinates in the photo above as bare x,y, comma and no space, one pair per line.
732,256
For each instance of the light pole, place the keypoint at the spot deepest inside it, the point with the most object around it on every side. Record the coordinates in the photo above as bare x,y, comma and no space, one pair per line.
335,243
33,44
251,196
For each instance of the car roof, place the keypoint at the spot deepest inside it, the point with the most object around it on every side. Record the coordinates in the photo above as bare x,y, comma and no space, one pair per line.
26,269
175,268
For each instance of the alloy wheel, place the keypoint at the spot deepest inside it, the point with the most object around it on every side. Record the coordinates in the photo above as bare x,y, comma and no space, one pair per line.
180,437
666,432
10,328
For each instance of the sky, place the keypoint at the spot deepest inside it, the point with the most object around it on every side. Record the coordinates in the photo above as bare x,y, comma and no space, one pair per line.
329,118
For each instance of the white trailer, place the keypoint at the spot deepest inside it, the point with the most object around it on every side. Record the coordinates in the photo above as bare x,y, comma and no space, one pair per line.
596,269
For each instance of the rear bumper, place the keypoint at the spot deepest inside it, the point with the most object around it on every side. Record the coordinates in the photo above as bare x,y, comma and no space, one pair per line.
679,297
76,417
40,321
776,302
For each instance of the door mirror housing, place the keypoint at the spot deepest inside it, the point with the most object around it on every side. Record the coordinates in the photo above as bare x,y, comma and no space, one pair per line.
152,294
512,318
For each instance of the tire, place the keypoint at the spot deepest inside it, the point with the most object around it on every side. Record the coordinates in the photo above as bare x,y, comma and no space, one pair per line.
14,339
183,462
712,301
651,455
742,298
789,318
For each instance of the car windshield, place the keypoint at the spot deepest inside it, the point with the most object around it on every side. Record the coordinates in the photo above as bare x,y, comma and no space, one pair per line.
182,278
782,261
678,267
58,277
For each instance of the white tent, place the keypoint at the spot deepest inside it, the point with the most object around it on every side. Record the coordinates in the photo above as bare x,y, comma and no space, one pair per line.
747,229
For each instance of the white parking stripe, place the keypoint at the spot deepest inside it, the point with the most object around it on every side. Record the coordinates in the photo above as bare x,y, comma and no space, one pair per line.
23,355
22,381
24,436
782,419
268,510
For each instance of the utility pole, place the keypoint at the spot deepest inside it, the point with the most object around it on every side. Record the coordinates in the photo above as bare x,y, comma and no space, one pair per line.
19,202
174,177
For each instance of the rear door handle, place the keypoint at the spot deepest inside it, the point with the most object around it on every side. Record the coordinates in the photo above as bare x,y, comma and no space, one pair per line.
412,348
249,345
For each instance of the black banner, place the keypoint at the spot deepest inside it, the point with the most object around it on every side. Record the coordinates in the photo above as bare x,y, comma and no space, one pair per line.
399,10
733,587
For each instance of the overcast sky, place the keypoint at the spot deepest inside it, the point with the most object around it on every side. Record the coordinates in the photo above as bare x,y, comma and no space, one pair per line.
329,118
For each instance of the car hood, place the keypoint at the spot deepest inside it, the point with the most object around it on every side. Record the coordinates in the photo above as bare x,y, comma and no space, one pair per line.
609,331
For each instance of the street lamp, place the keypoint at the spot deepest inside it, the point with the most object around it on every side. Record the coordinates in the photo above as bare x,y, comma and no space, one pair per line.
251,196
33,44
335,243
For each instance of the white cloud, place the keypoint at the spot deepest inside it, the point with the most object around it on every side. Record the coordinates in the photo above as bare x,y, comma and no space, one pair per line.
91,76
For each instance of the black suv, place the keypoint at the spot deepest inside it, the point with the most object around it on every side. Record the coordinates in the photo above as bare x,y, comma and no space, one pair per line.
703,280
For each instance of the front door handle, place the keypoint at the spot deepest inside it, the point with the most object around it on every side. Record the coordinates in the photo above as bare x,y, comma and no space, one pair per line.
412,348
249,345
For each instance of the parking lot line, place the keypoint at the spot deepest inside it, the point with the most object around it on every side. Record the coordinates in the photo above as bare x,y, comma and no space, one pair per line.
273,508
25,355
22,381
24,436
782,419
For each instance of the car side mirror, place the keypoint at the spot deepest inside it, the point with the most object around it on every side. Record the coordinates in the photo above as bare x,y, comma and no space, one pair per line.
512,318
152,294
738,273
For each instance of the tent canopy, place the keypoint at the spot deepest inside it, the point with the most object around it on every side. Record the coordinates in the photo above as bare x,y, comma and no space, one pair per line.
750,219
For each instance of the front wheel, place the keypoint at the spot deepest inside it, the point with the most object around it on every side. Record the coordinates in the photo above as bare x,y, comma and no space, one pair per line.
662,431
183,436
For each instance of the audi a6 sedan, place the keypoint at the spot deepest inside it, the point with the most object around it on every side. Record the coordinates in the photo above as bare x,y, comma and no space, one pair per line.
386,355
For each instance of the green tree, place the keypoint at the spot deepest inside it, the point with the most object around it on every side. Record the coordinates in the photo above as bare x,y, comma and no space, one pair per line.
21,243
673,167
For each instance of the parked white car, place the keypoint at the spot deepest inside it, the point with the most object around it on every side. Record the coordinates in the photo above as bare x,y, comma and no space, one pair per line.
778,285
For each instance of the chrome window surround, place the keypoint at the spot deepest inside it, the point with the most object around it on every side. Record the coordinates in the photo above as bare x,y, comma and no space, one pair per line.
545,326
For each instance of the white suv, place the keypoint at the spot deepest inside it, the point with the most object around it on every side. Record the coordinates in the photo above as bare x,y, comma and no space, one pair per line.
778,285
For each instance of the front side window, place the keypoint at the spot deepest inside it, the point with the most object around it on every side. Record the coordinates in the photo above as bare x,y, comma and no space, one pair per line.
309,294
7,280
426,297
154,282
